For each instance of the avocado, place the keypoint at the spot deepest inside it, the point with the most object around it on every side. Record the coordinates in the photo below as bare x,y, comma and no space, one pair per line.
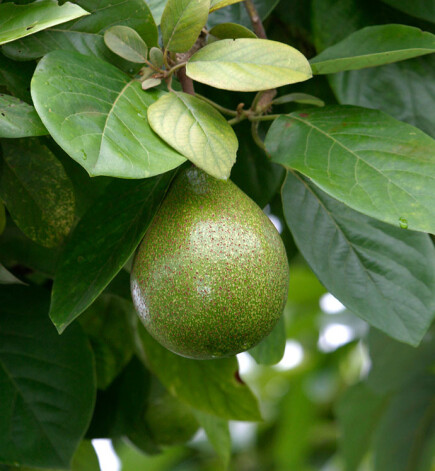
210,277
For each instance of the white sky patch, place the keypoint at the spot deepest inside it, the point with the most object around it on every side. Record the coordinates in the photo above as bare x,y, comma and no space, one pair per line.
107,457
329,304
293,356
242,433
246,363
276,222
333,336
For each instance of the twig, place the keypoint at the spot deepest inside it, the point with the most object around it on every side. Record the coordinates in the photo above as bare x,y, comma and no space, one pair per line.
257,25
221,108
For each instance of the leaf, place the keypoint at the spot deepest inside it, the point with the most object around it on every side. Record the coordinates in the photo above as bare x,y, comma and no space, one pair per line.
218,434
418,8
99,116
196,130
406,427
157,7
231,31
85,458
2,217
358,412
248,65
48,384
36,190
373,46
17,21
405,90
217,4
271,349
18,119
181,23
298,98
125,42
364,158
106,323
236,13
382,273
102,242
210,386
15,78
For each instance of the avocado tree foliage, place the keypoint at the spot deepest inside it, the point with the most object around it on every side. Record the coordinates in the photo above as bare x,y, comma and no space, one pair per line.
323,111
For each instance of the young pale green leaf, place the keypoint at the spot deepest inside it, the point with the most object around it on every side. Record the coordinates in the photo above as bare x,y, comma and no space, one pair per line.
406,427
231,31
18,119
106,324
211,386
217,4
181,23
196,130
127,43
47,381
364,158
382,273
156,57
248,65
302,98
271,349
37,191
17,21
150,83
218,434
358,412
373,46
102,242
98,115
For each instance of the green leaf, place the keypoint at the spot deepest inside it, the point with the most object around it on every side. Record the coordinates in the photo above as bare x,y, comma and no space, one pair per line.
248,65
17,21
405,90
358,412
236,13
106,323
298,98
364,158
418,8
48,384
218,434
18,119
157,7
102,242
217,4
373,46
181,23
156,57
36,190
382,273
211,386
99,116
271,349
2,217
196,130
231,31
15,78
125,42
85,458
406,427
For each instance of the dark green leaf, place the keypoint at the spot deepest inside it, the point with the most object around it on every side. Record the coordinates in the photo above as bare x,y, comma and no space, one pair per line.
2,217
373,163
211,386
18,119
102,242
419,8
248,65
358,412
17,21
127,43
99,116
196,130
383,274
181,23
15,78
406,426
218,434
231,31
48,384
36,191
271,349
237,13
372,46
405,90
106,323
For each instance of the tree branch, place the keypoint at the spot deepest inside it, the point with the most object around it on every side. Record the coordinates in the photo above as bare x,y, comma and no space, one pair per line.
257,25
185,81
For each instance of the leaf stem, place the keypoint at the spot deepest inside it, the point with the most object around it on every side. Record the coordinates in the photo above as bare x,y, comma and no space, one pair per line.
267,117
256,136
220,108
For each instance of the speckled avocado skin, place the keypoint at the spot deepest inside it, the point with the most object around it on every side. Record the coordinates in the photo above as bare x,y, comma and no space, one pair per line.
210,277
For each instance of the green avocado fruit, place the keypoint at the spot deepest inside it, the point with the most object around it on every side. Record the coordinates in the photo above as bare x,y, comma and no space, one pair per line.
210,277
